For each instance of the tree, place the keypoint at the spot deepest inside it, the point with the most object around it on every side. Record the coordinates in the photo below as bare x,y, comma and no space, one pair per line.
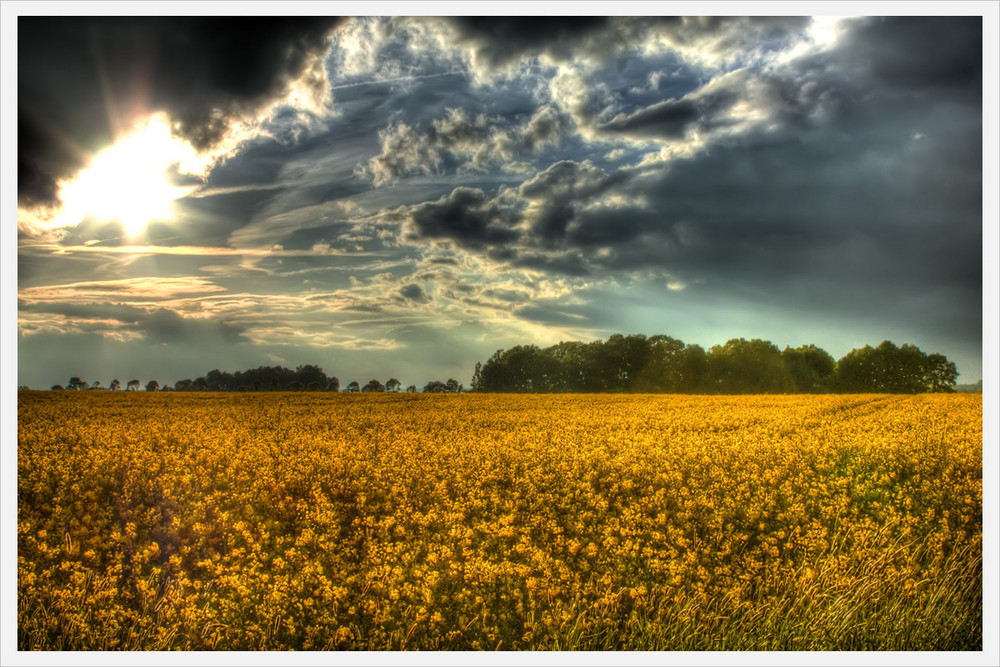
393,384
353,387
76,384
411,389
183,385
333,384
373,385
523,368
894,370
152,385
747,367
57,387
115,385
621,361
811,368
940,374
435,387
452,386
96,385
133,385
310,375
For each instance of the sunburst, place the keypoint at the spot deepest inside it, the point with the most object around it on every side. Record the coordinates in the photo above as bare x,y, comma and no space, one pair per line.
130,181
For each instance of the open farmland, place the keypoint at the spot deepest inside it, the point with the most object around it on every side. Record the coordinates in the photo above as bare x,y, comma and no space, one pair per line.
409,521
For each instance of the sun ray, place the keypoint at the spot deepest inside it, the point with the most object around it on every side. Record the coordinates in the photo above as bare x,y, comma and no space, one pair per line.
129,182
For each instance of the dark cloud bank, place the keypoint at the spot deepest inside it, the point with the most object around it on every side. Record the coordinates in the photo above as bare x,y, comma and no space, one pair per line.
77,77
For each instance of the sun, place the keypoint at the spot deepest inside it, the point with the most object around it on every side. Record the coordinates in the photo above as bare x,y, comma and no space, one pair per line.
129,182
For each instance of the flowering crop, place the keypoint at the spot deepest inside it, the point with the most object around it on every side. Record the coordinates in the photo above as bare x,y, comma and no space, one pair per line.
408,521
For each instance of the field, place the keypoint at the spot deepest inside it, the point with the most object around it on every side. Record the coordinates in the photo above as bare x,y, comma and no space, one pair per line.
409,521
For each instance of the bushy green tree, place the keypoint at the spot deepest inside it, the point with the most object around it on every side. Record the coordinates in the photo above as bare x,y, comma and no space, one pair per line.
747,367
811,368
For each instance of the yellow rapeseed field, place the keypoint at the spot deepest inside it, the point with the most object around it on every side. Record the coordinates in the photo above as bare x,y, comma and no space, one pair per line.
408,521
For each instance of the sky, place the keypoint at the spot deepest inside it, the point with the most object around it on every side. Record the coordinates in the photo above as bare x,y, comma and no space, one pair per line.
401,197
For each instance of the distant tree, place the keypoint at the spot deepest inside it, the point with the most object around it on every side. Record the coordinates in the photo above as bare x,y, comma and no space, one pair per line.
96,384
132,385
373,385
393,384
811,368
411,389
522,368
23,387
75,383
621,361
183,385
573,367
115,385
308,374
894,370
747,367
671,367
353,387
940,374
333,384
57,387
152,385
435,387
453,387
219,381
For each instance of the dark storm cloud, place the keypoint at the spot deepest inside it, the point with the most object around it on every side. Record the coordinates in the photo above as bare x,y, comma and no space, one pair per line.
465,216
919,53
78,76
413,292
557,193
669,119
500,40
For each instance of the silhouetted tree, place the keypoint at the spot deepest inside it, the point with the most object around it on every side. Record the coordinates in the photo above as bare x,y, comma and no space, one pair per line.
393,384
452,386
435,387
671,367
333,384
747,367
353,387
894,370
57,387
373,385
152,385
132,385
411,389
811,368
115,385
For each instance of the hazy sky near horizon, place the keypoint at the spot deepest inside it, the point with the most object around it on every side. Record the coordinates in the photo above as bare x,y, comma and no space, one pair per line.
403,196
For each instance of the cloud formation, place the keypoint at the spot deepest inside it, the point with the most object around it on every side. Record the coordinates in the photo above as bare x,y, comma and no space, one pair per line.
474,183
82,80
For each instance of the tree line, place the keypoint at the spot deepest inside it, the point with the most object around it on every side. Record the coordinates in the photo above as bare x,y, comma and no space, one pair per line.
661,364
633,363
268,378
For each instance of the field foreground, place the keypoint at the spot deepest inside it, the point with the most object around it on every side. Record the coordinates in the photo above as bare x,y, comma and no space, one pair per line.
409,521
